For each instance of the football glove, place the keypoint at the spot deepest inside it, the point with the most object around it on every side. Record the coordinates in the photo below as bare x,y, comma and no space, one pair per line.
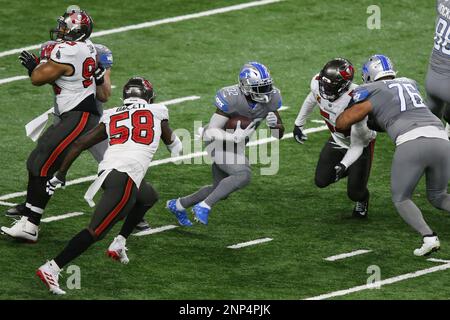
99,75
299,136
339,170
29,61
271,120
53,183
240,134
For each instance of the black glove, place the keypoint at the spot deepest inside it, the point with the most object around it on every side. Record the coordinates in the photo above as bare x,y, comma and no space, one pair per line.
99,75
340,170
29,61
299,136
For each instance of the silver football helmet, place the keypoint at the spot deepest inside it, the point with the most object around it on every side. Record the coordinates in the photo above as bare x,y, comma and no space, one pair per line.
378,66
255,80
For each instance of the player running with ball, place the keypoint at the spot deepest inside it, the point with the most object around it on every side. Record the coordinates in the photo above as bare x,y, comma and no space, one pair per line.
254,98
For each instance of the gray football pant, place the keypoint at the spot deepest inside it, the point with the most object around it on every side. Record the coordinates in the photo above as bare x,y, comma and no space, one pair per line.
438,94
411,160
227,178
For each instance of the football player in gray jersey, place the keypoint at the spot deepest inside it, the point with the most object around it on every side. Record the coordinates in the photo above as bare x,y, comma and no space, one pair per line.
438,75
422,144
254,97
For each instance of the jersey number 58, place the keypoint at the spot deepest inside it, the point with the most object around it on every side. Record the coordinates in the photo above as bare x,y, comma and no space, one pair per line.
141,128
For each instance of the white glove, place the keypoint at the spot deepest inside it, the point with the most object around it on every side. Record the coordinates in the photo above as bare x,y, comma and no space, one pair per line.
271,120
52,184
240,134
176,147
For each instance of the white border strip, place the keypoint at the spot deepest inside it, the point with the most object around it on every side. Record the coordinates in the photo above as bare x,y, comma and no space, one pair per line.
158,22
382,283
167,160
154,230
12,79
62,216
347,255
7,204
249,243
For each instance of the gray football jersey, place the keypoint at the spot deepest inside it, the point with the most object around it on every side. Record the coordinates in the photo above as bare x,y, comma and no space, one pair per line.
397,106
232,101
440,56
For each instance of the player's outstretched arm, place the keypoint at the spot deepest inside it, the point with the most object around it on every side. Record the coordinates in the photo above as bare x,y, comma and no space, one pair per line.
300,122
170,139
353,115
49,72
275,124
103,83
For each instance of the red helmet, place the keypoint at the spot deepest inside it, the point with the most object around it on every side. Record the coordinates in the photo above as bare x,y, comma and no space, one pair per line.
75,25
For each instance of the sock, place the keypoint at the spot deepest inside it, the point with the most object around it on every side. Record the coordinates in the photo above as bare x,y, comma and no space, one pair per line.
179,206
76,246
413,216
204,205
34,214
133,218
37,198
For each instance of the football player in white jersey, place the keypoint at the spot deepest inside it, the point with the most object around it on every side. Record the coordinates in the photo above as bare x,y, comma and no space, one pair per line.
70,69
133,132
346,153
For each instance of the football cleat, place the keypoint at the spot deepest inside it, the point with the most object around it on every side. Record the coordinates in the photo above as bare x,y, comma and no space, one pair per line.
142,226
201,214
16,212
181,215
117,250
49,274
430,245
22,229
361,209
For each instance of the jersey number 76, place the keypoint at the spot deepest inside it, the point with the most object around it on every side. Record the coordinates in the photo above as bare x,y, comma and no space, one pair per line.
141,128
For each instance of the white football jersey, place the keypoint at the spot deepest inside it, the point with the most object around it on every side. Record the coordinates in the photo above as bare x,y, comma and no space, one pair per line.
330,111
71,90
134,132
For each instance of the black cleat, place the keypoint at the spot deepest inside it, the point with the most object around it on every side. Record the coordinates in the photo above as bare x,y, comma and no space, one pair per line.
142,226
361,209
16,212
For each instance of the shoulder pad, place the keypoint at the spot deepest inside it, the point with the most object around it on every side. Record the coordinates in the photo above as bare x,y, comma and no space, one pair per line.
63,52
315,84
221,102
278,101
359,94
104,55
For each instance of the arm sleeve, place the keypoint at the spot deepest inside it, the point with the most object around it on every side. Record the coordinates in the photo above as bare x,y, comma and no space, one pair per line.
215,131
360,137
305,110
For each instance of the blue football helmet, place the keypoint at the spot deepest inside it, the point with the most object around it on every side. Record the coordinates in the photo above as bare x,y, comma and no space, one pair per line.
255,81
378,66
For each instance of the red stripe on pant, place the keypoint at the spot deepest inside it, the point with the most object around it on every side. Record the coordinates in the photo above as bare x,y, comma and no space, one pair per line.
116,210
65,143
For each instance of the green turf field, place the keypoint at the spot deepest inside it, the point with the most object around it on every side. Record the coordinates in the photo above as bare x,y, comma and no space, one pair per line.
294,38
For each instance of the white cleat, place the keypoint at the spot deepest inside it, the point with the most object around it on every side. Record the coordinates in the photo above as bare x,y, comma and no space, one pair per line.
22,229
430,244
49,274
117,250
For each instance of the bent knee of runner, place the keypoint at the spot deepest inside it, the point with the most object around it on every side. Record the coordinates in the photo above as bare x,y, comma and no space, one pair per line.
437,198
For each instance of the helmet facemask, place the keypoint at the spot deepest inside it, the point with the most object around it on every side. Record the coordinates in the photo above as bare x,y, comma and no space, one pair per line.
138,88
333,90
256,82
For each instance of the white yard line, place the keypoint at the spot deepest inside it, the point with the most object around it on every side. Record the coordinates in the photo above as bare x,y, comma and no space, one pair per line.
7,204
12,79
62,217
318,121
438,260
249,243
166,160
346,255
150,24
179,100
399,278
154,230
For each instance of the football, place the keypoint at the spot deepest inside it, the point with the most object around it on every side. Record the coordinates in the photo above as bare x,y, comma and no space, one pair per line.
232,122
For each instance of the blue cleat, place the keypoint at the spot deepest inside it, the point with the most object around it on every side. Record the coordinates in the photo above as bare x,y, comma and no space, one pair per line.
201,213
180,215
